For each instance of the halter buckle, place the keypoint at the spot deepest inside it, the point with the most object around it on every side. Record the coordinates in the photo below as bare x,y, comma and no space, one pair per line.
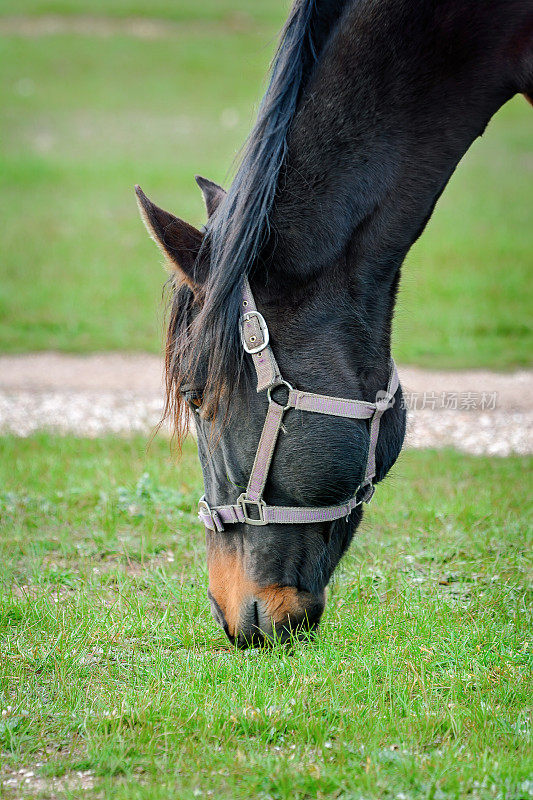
205,510
245,502
203,505
369,490
263,327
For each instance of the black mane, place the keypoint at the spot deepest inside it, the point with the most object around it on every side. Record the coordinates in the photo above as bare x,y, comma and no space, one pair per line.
240,227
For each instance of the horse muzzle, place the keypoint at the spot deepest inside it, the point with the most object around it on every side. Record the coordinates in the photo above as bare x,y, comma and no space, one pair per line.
251,615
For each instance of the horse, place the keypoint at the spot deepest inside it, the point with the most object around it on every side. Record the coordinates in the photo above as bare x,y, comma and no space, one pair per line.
290,288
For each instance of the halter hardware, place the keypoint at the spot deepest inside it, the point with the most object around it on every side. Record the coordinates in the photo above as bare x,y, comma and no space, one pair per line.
249,335
287,386
203,506
250,507
244,502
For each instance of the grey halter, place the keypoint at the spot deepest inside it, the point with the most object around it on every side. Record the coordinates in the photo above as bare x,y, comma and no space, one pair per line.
250,507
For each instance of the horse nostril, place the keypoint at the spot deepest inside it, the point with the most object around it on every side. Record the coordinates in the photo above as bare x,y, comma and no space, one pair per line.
218,616
250,629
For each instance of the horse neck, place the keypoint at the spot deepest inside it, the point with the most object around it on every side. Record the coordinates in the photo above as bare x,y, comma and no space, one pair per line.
401,91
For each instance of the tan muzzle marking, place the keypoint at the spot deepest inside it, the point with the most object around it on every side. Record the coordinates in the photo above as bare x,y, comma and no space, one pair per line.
232,588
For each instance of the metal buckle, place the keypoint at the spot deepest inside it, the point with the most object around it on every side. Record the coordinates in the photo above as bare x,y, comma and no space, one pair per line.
289,388
203,505
260,505
369,493
263,328
217,525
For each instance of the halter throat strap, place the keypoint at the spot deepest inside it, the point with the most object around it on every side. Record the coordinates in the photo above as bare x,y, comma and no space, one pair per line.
250,508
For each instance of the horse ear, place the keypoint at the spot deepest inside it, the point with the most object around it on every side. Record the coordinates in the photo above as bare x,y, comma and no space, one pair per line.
179,242
212,192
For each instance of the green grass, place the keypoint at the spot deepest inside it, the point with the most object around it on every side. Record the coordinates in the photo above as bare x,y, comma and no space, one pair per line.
419,685
462,301
84,118
269,11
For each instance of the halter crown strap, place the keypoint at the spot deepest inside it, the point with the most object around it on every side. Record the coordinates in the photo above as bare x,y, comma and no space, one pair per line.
250,507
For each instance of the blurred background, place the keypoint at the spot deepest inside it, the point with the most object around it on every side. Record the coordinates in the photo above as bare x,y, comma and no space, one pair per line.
97,96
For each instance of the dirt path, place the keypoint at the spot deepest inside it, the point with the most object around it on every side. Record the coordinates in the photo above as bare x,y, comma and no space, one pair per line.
474,411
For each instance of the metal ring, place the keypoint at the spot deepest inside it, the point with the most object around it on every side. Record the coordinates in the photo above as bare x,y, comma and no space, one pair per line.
271,389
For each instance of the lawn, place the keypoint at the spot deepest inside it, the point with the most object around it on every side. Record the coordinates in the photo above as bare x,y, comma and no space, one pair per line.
84,117
229,11
419,685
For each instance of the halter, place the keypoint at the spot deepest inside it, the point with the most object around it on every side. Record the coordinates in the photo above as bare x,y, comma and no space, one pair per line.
250,507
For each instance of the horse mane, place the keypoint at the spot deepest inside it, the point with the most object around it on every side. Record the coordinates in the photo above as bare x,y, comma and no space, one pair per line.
239,228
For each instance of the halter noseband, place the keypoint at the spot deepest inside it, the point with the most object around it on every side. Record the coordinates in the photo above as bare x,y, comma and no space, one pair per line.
250,507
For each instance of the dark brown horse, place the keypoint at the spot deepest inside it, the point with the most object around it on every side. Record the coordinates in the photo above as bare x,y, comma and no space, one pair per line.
371,105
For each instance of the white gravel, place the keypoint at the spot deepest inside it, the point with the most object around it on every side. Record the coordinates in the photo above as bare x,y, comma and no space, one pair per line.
495,433
476,412
82,413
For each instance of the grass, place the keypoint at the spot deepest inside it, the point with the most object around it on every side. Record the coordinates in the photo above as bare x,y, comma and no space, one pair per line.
262,11
419,685
83,118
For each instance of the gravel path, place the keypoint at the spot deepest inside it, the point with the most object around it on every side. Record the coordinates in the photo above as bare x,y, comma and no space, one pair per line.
474,411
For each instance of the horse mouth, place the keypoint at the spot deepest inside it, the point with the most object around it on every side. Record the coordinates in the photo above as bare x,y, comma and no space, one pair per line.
261,625
280,634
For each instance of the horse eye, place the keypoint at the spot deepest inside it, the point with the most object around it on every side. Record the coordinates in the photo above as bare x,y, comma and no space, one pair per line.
191,396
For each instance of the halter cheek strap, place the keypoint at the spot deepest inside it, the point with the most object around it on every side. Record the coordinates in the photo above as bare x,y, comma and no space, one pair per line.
250,508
